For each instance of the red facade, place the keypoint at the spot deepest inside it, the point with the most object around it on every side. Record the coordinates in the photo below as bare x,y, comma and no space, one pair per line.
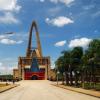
34,75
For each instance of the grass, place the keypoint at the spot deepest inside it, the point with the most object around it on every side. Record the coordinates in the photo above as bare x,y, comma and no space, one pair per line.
3,85
92,86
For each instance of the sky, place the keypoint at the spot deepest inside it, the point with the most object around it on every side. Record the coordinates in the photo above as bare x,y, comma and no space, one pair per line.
62,25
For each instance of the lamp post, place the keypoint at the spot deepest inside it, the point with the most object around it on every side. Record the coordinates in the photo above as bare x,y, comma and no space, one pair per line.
64,77
6,75
57,77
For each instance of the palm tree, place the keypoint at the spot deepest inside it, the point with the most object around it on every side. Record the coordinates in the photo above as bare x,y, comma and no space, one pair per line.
94,60
66,56
83,65
76,55
91,59
60,66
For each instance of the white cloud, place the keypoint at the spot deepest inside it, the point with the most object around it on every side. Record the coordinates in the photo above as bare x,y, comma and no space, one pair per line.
9,5
67,2
59,21
0,63
83,42
52,63
53,11
8,18
96,14
10,42
6,36
60,43
3,36
7,67
42,0
1,67
88,7
5,39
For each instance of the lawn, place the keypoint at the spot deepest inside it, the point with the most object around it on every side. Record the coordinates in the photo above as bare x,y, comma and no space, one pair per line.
92,86
2,85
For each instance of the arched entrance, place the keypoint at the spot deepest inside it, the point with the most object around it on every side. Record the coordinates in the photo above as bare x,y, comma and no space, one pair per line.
34,77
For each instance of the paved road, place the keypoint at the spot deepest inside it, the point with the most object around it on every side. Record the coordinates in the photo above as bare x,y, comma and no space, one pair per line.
42,90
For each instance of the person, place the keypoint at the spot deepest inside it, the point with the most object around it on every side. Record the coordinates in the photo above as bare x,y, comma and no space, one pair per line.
6,82
13,81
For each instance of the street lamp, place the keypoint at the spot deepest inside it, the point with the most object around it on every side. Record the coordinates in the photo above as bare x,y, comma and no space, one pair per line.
6,75
57,76
64,74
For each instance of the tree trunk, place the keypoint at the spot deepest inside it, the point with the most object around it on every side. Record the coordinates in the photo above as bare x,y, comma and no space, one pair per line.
83,78
62,79
66,78
70,77
76,79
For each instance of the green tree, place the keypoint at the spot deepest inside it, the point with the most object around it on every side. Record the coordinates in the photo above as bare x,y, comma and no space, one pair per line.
94,60
91,60
66,56
76,56
60,66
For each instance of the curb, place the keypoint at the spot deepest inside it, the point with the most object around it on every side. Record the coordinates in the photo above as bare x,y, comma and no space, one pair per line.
6,89
73,89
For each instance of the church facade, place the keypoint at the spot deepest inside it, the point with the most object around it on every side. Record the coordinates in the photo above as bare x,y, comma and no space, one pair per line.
34,66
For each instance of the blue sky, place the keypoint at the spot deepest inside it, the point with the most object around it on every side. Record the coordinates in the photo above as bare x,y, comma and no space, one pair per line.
62,24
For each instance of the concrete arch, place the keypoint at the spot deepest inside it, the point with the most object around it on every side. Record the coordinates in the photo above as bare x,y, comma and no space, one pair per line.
34,26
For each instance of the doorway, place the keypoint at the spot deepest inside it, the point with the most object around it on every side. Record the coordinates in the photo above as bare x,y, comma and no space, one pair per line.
34,77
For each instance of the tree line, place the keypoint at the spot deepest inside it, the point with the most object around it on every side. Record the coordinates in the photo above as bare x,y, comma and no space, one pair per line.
80,66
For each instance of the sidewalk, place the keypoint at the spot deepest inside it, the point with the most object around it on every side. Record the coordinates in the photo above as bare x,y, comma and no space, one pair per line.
5,88
80,90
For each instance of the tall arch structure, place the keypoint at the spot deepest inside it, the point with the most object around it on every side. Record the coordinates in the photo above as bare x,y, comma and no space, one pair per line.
38,50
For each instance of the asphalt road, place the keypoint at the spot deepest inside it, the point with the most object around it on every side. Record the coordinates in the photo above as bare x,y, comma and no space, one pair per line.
42,90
